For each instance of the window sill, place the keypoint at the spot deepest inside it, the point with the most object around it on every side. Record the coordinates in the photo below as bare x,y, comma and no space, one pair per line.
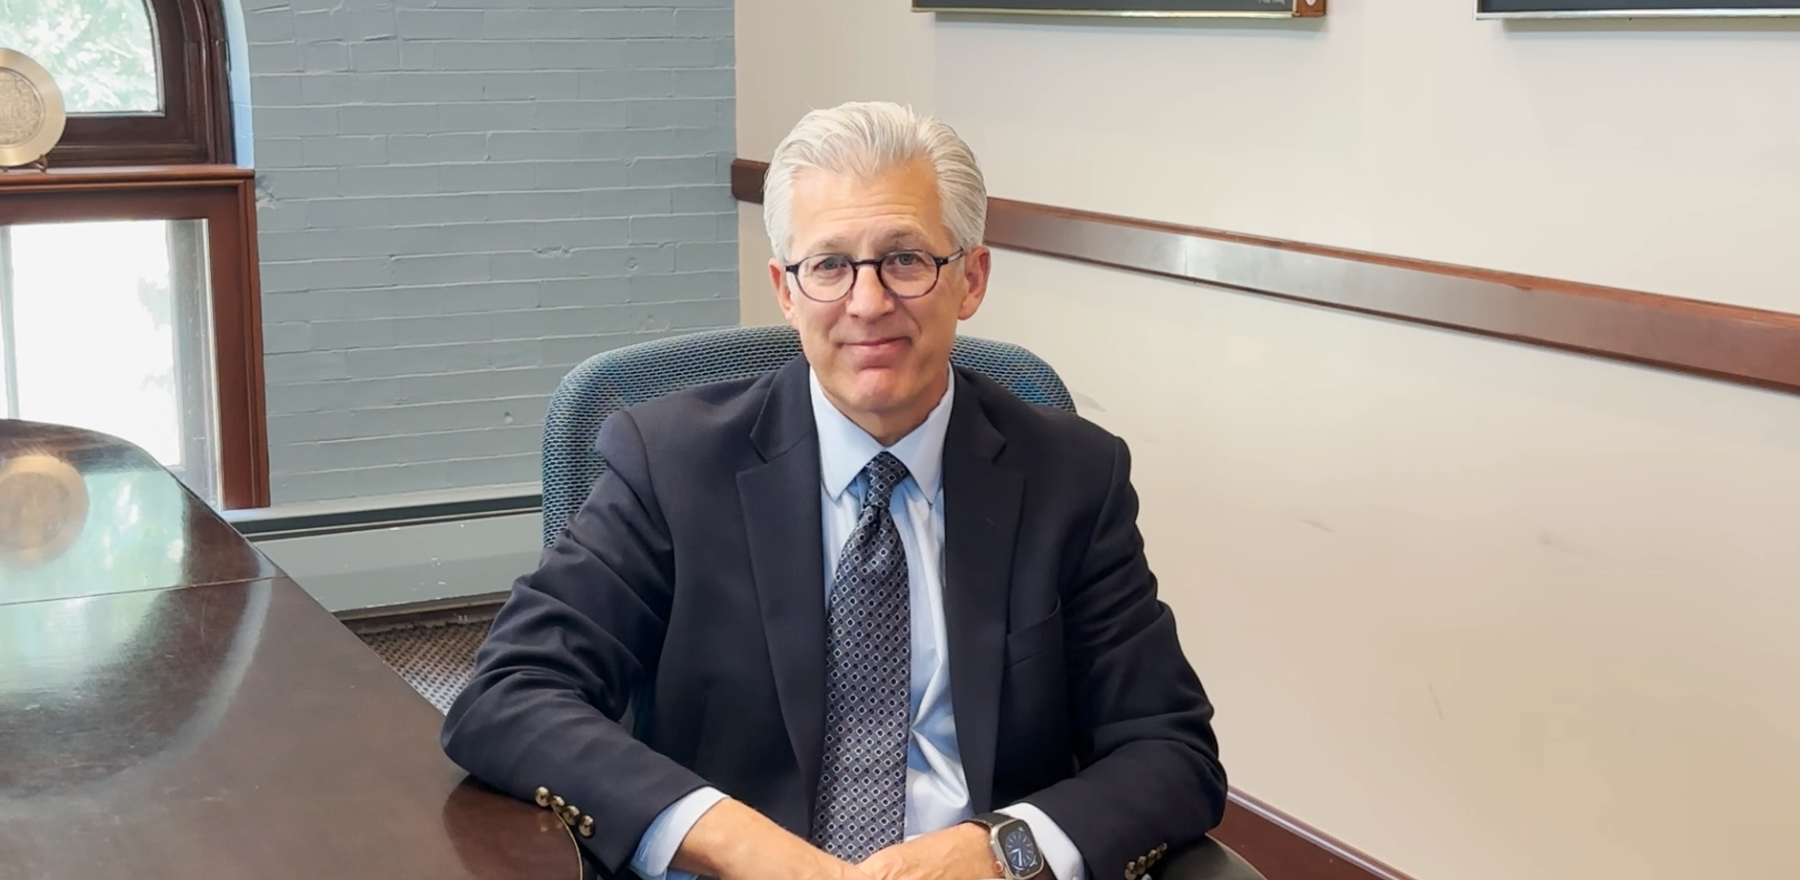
122,177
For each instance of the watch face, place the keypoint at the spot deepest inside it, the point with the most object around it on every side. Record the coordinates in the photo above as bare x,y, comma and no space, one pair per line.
1021,850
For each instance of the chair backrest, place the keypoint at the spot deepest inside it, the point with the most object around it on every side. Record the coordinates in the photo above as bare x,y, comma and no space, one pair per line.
616,379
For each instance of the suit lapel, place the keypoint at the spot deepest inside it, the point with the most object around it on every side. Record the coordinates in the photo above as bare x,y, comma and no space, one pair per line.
981,520
780,499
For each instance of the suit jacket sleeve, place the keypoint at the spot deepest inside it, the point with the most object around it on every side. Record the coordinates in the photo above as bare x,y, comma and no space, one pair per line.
566,654
1150,781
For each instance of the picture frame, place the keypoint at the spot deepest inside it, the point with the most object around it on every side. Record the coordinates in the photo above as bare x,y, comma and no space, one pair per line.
1132,8
1551,9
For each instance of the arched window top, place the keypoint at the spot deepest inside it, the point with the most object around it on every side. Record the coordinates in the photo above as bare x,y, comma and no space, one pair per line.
102,53
143,81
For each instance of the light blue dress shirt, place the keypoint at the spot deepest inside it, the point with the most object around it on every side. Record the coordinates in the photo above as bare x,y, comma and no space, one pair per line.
937,794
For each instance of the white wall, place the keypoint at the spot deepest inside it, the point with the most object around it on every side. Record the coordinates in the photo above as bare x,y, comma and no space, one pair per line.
1651,155
1482,610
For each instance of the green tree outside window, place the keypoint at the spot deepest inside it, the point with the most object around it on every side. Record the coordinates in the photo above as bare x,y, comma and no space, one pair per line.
100,52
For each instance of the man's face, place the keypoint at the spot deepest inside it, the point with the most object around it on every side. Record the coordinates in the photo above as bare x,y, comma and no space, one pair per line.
882,359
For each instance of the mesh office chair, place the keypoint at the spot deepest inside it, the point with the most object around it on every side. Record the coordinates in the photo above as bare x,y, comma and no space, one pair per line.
613,380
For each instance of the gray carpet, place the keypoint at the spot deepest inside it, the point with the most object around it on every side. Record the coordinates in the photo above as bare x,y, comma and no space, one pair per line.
435,658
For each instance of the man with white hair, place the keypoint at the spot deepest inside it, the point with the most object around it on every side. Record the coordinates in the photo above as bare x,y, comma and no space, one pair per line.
877,617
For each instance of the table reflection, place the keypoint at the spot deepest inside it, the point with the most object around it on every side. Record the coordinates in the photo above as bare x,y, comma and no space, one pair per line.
538,845
85,515
171,705
43,506
93,688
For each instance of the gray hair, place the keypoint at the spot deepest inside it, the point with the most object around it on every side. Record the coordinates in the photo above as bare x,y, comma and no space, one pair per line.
866,138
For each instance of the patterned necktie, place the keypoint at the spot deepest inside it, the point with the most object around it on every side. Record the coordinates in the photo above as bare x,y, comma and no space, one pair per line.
861,805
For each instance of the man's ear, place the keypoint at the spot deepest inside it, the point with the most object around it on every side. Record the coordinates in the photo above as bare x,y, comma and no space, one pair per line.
975,268
778,278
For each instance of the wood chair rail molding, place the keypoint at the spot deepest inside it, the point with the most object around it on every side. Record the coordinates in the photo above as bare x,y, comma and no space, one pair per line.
1734,343
1284,848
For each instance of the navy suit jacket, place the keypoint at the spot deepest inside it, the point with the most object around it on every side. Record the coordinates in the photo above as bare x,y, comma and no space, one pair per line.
674,634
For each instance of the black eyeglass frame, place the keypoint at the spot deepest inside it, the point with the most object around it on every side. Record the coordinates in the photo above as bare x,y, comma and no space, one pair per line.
856,271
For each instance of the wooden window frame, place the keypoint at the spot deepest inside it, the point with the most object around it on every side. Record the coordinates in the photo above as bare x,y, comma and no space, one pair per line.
225,197
176,164
194,126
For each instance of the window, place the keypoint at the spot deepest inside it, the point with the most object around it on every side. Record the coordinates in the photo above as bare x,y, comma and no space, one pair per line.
100,52
143,81
121,345
128,305
128,274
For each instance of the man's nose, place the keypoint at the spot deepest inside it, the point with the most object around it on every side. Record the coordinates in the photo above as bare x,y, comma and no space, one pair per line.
868,294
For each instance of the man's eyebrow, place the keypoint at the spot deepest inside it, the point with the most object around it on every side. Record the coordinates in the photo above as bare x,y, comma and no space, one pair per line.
909,237
888,241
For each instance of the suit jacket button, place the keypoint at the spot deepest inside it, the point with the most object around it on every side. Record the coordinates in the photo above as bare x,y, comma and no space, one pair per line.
556,804
1131,871
586,828
569,814
543,796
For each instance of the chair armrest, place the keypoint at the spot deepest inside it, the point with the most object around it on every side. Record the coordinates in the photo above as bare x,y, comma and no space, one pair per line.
1206,860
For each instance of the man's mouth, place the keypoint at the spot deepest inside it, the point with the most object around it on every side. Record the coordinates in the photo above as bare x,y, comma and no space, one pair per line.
877,344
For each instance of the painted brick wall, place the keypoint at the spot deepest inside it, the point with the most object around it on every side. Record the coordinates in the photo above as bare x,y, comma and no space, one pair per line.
462,199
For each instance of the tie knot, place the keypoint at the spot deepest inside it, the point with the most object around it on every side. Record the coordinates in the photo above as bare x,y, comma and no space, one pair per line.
884,472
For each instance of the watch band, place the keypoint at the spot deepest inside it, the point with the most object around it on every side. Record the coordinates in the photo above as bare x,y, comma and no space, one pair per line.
990,821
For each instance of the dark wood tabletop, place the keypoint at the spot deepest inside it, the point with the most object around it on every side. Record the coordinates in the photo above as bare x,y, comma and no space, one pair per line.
173,706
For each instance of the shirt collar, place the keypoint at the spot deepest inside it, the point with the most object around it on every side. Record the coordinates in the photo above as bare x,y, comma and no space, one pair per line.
845,449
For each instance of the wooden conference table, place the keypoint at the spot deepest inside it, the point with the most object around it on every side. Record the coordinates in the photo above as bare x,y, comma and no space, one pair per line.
172,706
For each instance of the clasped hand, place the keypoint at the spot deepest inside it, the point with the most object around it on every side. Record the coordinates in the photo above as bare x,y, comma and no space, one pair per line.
957,853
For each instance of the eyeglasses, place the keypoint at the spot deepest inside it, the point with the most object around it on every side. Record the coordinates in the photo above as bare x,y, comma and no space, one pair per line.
907,274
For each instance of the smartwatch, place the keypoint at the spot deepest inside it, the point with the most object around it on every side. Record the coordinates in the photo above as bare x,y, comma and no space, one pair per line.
1014,847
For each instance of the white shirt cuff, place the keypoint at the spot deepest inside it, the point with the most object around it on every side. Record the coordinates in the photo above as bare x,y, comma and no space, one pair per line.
1060,854
656,849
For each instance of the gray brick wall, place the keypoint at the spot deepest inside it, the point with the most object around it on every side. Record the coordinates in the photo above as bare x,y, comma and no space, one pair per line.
462,199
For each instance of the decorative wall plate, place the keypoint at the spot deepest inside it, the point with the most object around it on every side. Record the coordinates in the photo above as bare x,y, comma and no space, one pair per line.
31,110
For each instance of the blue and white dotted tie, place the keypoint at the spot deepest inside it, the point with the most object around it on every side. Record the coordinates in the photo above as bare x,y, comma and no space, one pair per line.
861,806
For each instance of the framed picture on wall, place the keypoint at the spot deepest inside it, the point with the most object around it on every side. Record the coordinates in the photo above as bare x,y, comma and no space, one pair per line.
1134,8
1635,8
